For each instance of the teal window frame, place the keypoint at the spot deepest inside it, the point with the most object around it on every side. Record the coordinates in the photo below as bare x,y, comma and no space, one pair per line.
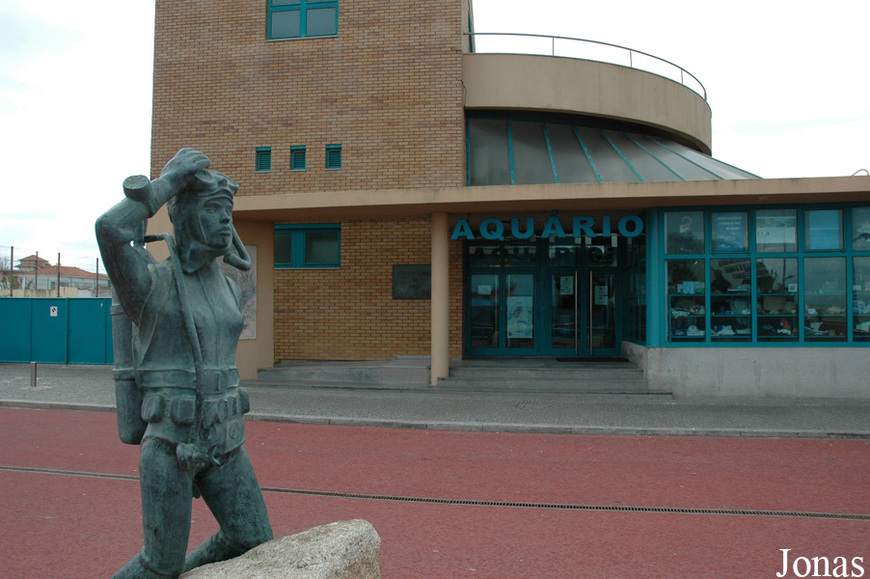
263,161
302,7
333,157
298,237
297,158
849,291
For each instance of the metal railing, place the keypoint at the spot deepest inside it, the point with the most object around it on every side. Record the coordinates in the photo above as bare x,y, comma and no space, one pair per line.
582,49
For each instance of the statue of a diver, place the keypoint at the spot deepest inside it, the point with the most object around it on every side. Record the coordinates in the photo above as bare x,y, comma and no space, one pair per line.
177,386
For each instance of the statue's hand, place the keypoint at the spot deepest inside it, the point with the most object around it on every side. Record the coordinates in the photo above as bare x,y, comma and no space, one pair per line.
183,166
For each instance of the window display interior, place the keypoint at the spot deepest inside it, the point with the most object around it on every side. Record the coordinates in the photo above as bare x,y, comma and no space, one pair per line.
784,278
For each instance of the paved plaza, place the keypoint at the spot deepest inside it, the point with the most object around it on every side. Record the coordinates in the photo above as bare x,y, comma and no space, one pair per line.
518,488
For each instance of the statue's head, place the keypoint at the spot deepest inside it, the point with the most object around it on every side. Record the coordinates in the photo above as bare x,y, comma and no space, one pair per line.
202,217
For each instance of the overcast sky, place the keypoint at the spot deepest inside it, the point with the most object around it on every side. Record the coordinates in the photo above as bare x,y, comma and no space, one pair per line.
787,82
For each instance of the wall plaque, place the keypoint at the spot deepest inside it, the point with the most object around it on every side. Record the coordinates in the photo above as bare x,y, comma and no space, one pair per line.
412,282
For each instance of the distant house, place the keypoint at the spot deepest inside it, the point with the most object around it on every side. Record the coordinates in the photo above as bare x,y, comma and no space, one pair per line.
32,262
40,274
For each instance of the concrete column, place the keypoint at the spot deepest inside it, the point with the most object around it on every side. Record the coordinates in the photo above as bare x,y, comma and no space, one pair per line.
440,297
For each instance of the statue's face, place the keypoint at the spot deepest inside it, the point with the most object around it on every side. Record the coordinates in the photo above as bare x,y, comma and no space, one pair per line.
216,219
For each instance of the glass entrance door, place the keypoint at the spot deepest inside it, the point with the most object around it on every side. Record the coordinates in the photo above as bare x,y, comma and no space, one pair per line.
583,313
520,302
564,305
565,314
502,314
602,314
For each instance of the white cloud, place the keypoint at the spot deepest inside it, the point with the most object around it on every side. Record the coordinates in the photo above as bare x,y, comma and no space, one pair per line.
75,104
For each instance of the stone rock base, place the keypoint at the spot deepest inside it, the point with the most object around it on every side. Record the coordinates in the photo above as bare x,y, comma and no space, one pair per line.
341,550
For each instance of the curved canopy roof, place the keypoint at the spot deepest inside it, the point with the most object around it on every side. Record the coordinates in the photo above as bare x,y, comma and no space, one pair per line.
505,150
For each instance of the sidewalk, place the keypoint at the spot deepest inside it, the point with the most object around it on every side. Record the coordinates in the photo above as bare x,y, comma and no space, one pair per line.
91,388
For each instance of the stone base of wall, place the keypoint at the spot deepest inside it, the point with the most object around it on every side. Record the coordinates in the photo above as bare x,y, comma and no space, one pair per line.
784,372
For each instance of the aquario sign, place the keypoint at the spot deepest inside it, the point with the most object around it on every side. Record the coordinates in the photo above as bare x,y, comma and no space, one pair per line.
496,229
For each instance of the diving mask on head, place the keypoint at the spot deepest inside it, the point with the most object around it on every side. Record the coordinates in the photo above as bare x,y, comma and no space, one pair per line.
184,212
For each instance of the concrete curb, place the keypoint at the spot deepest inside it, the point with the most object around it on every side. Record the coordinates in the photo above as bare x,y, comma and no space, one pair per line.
562,429
593,430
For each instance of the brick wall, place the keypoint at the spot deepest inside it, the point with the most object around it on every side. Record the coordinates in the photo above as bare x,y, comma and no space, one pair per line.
387,88
349,313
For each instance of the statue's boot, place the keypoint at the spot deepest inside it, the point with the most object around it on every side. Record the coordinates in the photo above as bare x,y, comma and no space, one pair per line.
136,569
216,548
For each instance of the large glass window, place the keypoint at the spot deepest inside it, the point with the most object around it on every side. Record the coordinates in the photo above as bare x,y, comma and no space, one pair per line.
776,230
825,298
684,231
861,229
686,299
489,157
730,233
532,161
300,18
520,296
776,283
861,298
731,299
484,307
302,246
636,272
803,276
824,229
572,162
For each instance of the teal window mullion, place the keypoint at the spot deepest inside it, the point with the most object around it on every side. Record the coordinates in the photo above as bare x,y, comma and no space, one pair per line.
850,304
298,248
511,151
656,157
588,155
624,158
550,151
656,328
679,154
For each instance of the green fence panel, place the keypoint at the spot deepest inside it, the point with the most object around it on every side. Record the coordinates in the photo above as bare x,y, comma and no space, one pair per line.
15,330
89,331
49,320
56,330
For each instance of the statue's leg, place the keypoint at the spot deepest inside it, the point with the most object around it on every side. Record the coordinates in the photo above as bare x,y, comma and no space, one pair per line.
233,494
167,494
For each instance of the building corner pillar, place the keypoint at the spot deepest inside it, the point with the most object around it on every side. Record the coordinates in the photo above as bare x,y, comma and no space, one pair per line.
440,298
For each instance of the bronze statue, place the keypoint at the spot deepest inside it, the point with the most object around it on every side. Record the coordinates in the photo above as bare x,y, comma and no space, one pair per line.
177,385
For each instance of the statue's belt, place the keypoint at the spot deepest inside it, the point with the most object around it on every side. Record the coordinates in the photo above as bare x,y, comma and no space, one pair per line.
180,407
213,381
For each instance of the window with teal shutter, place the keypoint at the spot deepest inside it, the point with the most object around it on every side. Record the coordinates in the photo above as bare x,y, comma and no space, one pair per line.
333,156
297,158
302,18
264,158
308,246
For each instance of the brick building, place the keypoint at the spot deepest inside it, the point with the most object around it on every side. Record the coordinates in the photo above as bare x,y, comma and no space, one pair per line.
408,194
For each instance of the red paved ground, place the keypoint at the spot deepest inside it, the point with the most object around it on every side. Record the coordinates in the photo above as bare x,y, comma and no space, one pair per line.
62,525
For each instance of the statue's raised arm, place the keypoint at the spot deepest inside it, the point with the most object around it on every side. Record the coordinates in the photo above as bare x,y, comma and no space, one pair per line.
123,224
